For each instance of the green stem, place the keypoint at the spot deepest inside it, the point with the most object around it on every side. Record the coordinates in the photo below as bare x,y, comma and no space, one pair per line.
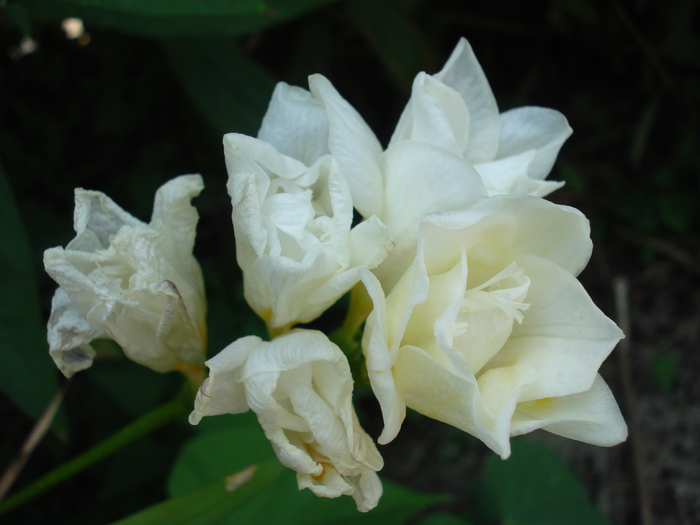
360,307
146,424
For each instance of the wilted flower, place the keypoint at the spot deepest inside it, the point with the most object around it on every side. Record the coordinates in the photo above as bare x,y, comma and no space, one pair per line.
135,283
300,387
490,331
293,214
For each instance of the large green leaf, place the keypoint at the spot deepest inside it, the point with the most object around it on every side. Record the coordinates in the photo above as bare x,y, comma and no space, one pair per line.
27,374
176,17
177,7
224,450
209,504
231,90
533,487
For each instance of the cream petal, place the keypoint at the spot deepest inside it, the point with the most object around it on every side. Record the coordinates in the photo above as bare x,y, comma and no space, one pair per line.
379,349
485,235
296,124
369,243
463,73
354,146
368,490
591,416
529,128
155,329
557,233
563,336
435,114
437,392
419,179
330,485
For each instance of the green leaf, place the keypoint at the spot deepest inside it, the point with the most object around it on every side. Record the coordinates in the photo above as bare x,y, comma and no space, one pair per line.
533,487
176,7
224,450
443,518
211,503
218,453
231,90
170,18
27,374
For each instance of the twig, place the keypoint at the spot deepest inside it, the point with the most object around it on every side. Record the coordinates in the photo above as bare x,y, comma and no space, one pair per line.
33,439
667,248
621,288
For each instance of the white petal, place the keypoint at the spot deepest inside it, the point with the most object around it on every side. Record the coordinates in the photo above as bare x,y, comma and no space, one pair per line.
563,336
420,179
463,73
69,335
533,128
176,220
296,124
435,391
502,176
354,146
96,217
222,392
592,416
252,156
300,386
379,359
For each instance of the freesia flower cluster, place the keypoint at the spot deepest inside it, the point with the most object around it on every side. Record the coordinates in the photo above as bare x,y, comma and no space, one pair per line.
477,317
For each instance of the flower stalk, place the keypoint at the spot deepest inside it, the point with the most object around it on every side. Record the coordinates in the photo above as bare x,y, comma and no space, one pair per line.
153,420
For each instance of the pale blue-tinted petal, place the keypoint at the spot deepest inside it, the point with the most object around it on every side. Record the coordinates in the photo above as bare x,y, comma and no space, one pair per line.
463,73
296,124
538,129
354,146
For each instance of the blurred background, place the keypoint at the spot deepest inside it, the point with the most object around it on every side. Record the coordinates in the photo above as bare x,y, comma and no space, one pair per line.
129,95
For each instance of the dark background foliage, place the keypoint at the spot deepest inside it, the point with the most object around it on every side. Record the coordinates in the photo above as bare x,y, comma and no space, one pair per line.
145,97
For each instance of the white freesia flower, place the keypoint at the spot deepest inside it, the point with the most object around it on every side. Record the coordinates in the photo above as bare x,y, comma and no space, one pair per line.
490,331
455,110
136,283
293,221
300,387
